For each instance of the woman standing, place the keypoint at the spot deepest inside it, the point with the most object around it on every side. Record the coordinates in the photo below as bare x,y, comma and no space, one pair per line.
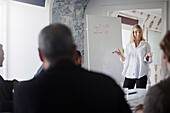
136,58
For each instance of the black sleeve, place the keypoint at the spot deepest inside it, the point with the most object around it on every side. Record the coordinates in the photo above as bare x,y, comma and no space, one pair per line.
6,94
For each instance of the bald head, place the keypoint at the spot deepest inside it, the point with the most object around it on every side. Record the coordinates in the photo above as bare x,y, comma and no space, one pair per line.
55,41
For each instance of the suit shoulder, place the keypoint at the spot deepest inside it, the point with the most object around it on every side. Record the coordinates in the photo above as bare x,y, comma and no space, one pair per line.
25,85
164,84
98,76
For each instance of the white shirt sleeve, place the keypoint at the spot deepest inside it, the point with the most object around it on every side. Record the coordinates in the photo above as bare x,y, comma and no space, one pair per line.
148,51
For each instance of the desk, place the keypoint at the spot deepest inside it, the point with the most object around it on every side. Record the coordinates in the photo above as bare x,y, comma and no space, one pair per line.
135,97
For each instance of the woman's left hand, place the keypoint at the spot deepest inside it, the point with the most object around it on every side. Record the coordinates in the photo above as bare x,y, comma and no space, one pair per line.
148,55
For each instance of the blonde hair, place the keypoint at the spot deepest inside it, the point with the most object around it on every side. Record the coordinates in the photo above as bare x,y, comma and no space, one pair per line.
135,28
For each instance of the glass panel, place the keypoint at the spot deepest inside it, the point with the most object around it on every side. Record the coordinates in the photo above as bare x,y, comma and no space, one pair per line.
154,38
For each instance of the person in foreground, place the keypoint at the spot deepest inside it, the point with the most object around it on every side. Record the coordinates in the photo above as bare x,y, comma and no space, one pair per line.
136,58
64,86
6,88
157,99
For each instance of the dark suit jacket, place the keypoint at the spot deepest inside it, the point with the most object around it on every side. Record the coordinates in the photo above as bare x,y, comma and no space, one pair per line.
65,87
6,94
157,99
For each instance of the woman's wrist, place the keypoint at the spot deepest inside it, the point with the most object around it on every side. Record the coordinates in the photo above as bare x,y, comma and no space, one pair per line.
122,57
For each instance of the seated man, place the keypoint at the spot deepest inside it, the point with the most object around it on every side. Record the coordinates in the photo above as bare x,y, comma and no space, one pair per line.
6,89
63,87
157,99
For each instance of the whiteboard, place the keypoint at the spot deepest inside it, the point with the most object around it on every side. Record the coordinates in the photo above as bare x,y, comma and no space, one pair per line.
103,37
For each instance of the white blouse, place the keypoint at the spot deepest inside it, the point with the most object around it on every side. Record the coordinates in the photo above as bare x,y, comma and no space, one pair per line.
135,64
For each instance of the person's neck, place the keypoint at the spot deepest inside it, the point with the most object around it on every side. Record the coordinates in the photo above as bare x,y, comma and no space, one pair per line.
47,63
137,42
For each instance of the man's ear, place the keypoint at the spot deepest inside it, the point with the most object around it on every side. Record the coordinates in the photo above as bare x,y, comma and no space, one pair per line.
164,56
74,52
40,55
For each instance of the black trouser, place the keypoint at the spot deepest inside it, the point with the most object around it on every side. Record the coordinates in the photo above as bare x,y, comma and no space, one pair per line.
140,83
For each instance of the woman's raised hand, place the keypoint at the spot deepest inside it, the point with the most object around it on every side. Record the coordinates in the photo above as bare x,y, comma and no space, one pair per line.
118,52
148,55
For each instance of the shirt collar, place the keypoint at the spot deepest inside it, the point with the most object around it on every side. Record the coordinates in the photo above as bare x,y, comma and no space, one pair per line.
141,43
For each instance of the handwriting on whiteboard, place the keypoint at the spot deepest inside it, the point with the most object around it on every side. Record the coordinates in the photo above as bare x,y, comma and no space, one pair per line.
101,29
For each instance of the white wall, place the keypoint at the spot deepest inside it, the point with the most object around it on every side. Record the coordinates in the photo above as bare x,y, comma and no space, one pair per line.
101,7
24,24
